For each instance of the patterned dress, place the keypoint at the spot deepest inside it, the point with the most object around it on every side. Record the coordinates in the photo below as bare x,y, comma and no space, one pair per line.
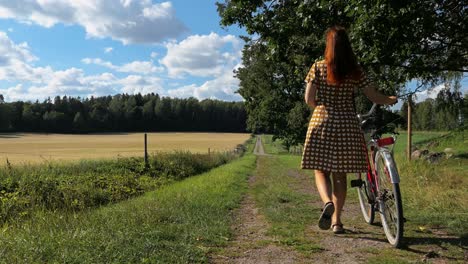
334,141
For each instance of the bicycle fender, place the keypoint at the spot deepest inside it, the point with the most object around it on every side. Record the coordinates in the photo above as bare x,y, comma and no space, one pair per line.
390,163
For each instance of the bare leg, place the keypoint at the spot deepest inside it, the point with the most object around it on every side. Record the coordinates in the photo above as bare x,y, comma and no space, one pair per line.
339,195
322,180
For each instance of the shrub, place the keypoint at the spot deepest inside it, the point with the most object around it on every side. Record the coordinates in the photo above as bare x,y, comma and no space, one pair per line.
87,184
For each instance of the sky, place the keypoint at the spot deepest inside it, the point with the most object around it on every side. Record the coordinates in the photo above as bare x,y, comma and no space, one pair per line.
103,47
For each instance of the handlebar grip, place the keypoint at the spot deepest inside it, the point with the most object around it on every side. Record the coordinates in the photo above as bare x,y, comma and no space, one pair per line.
371,111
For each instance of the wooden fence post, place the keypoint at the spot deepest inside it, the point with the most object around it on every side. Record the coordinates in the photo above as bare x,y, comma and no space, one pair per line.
409,129
146,151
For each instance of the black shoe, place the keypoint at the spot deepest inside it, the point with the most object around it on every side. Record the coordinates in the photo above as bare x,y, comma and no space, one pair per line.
325,218
338,229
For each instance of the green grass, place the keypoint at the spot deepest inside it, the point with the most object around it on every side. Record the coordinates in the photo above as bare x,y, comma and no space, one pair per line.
285,207
178,223
435,199
272,147
436,195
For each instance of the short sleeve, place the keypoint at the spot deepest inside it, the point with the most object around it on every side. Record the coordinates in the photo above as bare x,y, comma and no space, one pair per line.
363,82
312,75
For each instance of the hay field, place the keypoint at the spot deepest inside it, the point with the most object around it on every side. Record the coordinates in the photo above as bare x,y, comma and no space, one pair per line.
36,148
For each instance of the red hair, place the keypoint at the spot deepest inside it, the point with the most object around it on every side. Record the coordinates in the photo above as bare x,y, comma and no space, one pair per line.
339,56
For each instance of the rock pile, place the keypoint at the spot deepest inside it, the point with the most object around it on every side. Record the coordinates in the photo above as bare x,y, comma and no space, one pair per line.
431,157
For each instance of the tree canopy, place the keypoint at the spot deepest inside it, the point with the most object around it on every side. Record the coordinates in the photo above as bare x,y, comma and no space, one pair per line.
395,41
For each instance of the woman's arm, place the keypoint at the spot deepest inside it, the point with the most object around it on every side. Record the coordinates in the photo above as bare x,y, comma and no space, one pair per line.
377,97
311,91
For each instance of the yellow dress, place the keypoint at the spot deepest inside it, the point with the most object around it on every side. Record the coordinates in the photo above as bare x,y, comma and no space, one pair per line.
334,140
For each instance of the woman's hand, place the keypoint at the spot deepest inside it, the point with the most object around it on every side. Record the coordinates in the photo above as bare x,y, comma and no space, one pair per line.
392,100
371,92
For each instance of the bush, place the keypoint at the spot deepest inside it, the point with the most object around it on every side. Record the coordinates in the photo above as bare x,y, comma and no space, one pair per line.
88,184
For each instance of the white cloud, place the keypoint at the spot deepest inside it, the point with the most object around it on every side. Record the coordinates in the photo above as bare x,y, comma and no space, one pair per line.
154,54
428,93
141,84
16,62
31,83
99,62
108,49
9,50
129,21
202,55
17,93
140,67
223,87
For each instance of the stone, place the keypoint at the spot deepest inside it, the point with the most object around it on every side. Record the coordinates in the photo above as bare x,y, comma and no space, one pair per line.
448,150
417,154
434,157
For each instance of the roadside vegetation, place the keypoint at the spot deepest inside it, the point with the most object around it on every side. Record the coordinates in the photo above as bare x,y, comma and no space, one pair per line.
178,223
436,195
26,191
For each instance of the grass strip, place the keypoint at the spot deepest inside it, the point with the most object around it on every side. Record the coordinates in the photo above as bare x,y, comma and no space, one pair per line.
178,223
285,206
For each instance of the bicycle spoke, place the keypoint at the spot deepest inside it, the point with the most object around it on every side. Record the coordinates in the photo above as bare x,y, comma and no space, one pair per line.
389,201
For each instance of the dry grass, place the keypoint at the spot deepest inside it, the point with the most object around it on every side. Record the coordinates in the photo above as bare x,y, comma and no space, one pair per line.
36,148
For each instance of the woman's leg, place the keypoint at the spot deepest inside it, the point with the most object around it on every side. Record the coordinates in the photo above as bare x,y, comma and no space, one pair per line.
322,180
339,195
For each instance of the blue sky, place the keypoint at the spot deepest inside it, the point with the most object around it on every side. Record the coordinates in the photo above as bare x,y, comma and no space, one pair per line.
82,48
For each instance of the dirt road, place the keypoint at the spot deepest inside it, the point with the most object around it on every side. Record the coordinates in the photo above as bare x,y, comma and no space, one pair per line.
361,243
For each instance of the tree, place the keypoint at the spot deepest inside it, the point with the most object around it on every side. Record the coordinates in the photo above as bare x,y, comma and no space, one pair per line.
424,115
5,115
79,123
395,41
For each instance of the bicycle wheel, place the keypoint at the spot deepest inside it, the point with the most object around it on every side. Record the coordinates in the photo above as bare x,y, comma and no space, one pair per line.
389,198
366,199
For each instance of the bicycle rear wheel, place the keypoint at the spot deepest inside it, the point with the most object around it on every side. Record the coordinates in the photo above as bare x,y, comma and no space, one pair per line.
366,199
389,198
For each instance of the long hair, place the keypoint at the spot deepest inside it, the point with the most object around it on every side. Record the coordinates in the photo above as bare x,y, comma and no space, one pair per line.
339,56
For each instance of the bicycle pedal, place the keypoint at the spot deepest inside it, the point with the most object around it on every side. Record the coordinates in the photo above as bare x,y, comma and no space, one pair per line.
356,183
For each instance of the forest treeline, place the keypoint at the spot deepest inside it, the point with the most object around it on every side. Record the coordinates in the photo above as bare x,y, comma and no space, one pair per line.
446,112
122,112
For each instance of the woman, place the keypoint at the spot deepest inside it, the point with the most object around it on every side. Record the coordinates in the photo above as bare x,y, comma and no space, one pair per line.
334,142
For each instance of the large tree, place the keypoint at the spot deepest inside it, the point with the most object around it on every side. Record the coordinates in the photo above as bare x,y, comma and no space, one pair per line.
395,41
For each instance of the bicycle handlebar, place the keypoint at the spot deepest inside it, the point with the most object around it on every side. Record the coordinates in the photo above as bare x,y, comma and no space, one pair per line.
371,111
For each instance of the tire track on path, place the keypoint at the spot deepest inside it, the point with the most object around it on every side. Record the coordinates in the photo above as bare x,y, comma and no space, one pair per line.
251,244
361,243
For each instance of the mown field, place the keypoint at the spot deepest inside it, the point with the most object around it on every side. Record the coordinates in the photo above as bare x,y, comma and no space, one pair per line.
37,148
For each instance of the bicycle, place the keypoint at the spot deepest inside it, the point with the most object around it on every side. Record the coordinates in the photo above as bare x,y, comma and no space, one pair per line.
379,187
